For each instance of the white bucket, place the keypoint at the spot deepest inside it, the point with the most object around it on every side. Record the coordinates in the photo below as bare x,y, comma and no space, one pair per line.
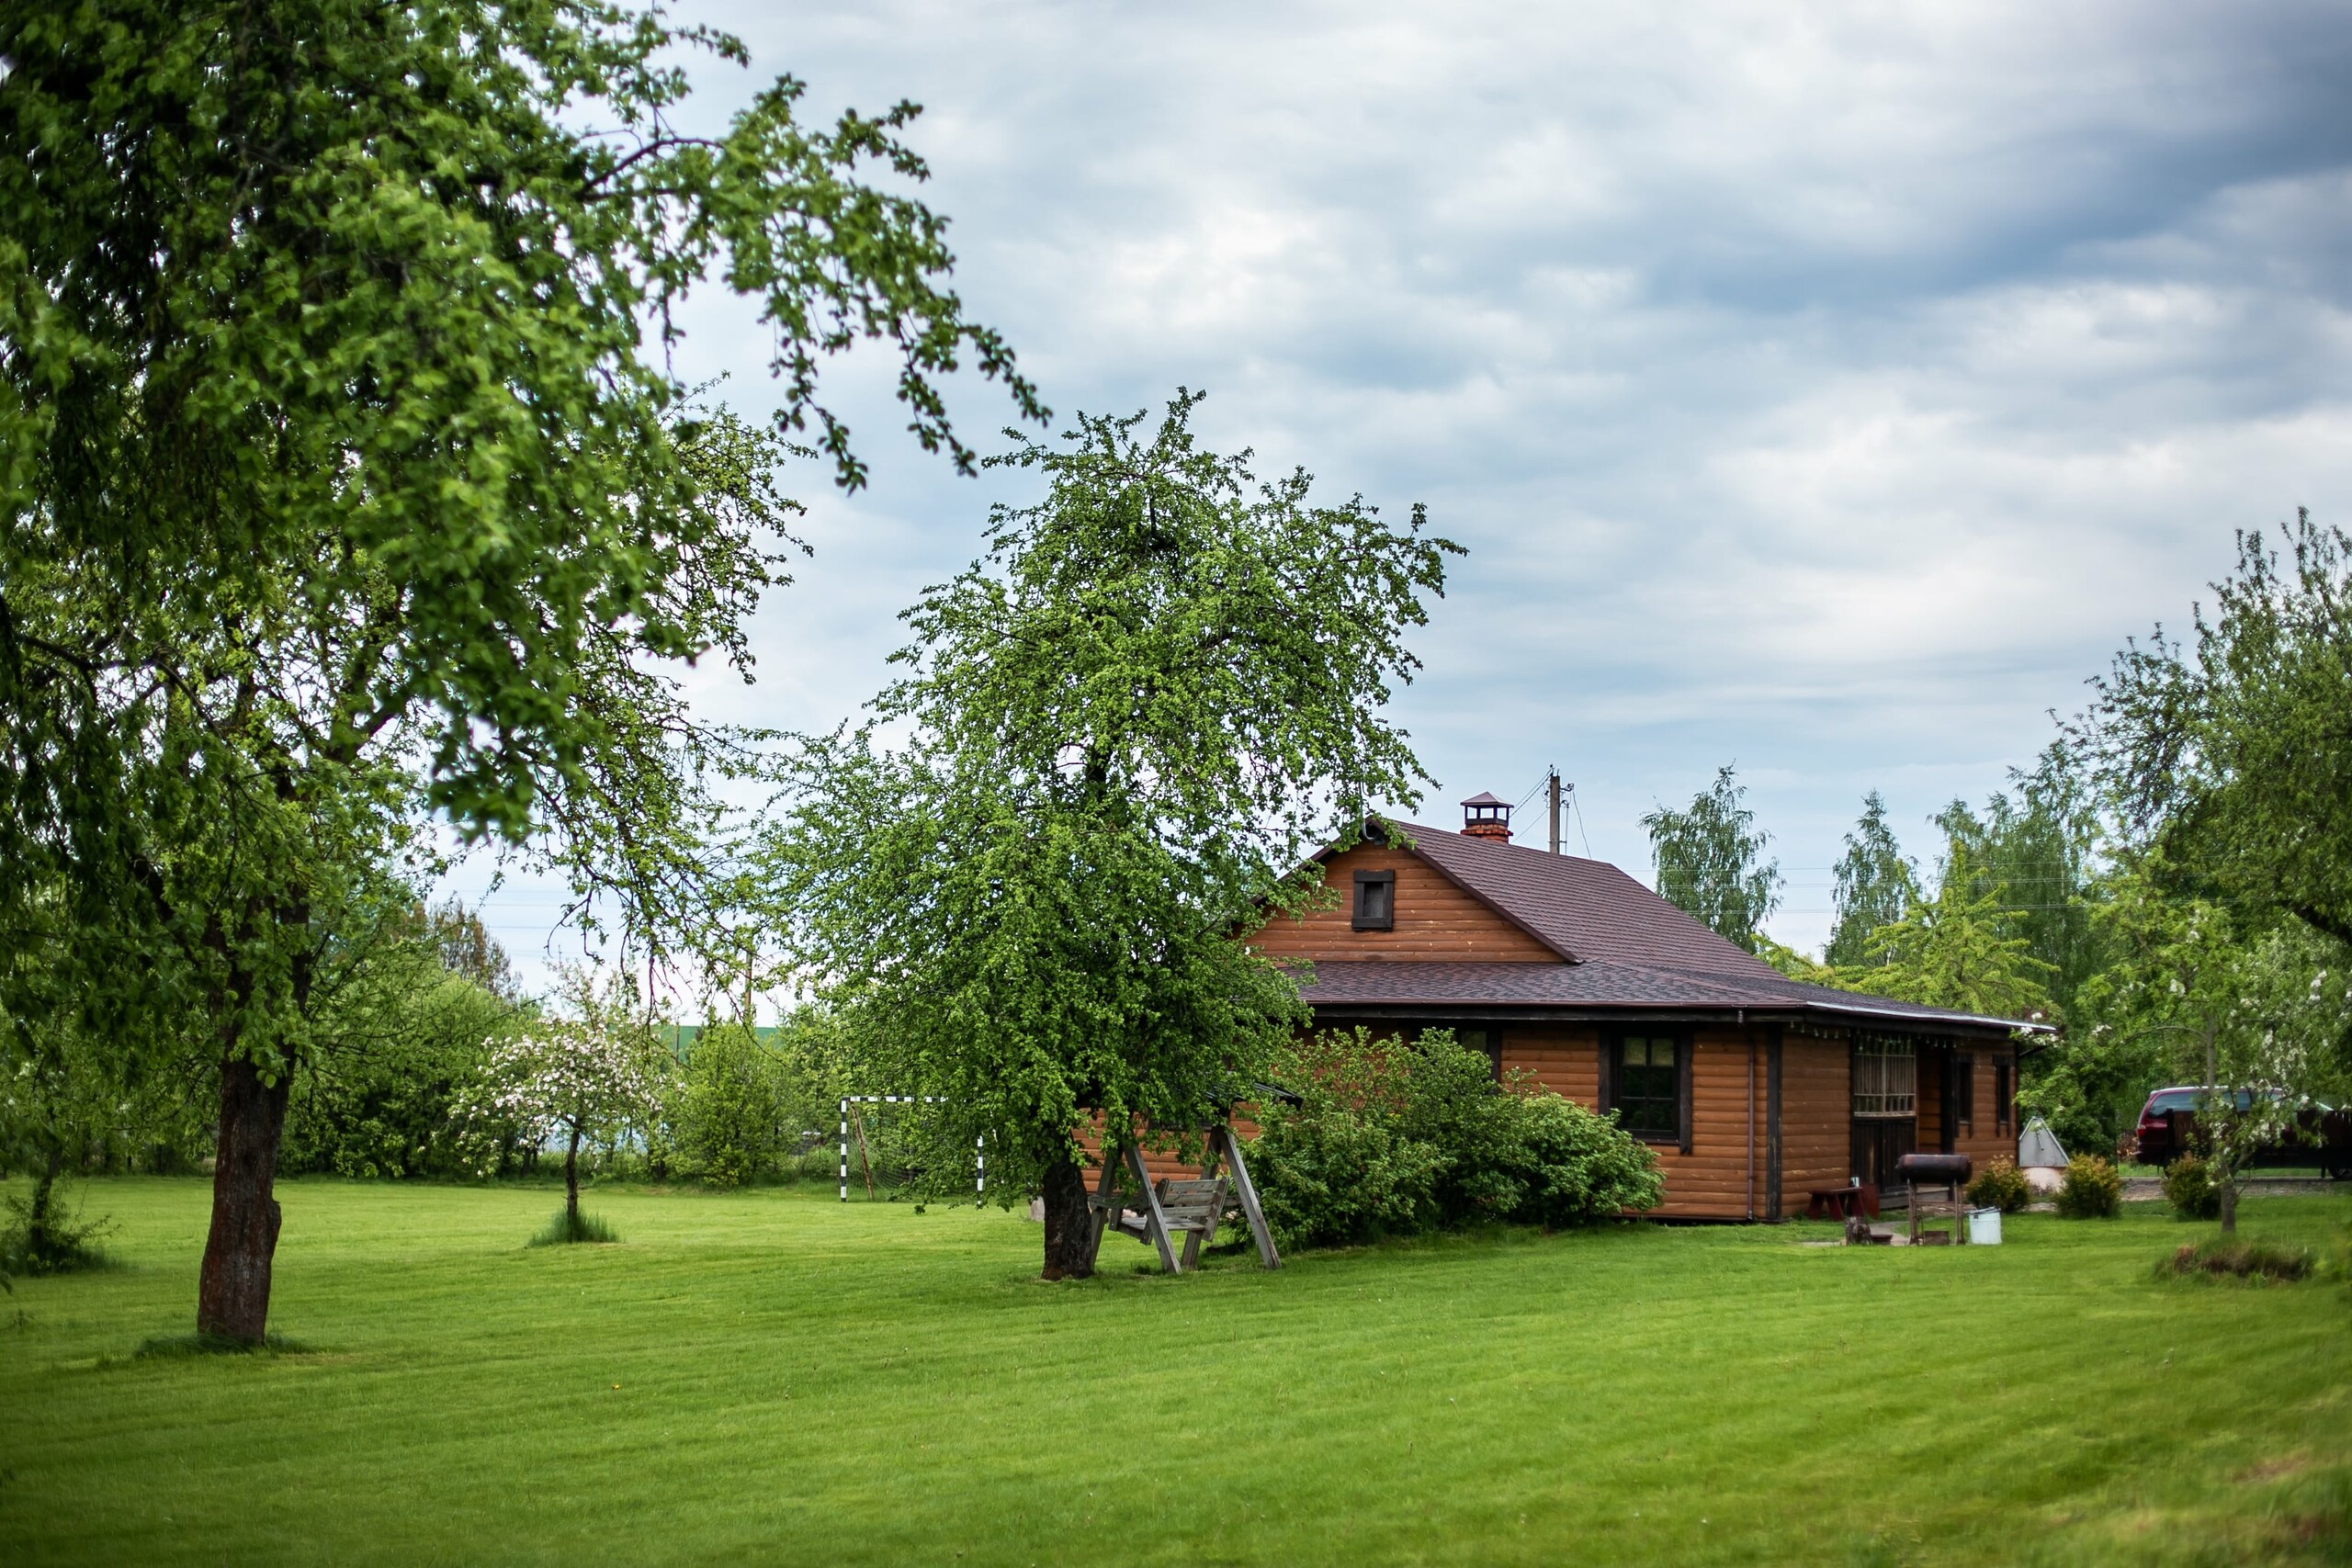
1983,1227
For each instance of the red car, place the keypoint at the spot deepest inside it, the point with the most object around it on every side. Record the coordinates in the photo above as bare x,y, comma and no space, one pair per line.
2318,1135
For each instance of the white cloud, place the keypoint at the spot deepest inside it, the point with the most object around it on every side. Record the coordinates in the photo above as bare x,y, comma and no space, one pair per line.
1829,387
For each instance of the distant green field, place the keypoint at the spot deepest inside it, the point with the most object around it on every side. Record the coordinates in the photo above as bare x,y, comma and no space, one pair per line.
772,1377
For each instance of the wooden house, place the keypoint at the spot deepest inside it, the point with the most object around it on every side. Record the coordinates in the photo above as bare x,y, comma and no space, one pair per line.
1754,1089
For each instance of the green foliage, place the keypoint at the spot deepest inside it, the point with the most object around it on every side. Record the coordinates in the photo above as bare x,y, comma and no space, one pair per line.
1875,884
1331,1173
41,1239
1122,730
2037,851
1709,861
570,1225
1392,1139
399,1044
347,486
2228,753
2199,992
2000,1185
2189,1188
2091,1191
2229,1258
1576,1167
731,1111
1951,952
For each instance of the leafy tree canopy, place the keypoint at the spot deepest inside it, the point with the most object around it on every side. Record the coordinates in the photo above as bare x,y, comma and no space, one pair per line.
1710,861
346,479
1120,732
1875,884
2228,752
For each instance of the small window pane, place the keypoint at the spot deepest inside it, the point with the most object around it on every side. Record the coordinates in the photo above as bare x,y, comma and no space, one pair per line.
1373,900
1648,1101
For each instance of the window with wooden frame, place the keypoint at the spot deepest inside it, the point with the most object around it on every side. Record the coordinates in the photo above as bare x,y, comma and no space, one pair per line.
1963,1090
1646,1080
1886,1078
2004,1091
1375,900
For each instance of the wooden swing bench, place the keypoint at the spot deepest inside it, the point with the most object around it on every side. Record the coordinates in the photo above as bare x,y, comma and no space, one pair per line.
1157,1212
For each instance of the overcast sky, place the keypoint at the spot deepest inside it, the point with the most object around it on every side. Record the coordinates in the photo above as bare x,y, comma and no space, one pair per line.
1828,389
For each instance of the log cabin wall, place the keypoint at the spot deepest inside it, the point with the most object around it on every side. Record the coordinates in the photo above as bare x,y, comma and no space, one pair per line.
1561,1058
1435,919
1712,1182
1982,1135
1816,1105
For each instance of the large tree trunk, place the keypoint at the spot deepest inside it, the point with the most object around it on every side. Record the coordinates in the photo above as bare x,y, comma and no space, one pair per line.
2229,1202
233,1294
1069,1229
572,1185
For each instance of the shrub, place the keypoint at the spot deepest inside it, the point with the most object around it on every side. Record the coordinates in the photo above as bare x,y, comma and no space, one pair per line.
2191,1190
40,1239
1389,1139
2092,1189
1575,1167
730,1122
2000,1185
566,1228
2234,1258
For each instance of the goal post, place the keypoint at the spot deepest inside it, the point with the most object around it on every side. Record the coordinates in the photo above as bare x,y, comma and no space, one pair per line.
979,1144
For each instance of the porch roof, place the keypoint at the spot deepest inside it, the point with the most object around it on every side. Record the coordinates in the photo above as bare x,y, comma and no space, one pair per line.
1375,987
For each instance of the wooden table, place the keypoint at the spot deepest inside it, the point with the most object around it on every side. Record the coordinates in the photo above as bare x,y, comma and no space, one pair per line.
1842,1202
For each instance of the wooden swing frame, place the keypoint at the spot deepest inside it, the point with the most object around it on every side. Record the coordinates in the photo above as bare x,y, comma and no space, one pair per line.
1157,1212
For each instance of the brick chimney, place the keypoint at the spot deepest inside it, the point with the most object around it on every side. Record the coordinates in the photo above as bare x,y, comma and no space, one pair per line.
1484,816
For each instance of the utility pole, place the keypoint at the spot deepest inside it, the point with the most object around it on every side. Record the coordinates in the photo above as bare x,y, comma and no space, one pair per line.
1552,786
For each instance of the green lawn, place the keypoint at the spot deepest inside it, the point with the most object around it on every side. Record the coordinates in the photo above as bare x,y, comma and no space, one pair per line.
772,1377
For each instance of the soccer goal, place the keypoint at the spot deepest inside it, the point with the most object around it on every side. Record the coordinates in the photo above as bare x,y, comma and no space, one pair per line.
891,1147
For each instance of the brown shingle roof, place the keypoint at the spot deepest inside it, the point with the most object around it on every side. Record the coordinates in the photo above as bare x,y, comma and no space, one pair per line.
1585,910
1602,986
1621,944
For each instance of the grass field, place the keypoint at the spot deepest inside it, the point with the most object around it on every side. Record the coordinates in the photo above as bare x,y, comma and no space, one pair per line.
772,1377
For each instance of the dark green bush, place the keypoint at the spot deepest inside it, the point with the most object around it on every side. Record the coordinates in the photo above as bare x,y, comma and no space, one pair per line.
730,1121
2191,1190
1576,1168
2230,1257
2092,1189
2000,1185
1390,1139
567,1227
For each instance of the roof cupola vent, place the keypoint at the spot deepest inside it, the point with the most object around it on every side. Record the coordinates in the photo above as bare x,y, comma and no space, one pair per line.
1484,816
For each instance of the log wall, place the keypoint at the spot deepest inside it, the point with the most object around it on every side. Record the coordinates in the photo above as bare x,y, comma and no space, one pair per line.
1435,919
1816,1108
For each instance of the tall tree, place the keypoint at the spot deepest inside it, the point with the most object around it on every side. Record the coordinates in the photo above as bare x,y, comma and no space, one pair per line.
342,485
2038,850
2260,1014
1710,861
2228,752
1122,731
1952,952
1875,884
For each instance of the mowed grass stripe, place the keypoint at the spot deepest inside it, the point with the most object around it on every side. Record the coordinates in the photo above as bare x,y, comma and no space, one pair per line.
806,1382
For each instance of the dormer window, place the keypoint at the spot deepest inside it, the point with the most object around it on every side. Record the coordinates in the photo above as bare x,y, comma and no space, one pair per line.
1375,900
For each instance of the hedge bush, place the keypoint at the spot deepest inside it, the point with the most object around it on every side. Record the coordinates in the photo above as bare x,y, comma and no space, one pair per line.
1390,1139
2092,1189
2191,1189
2000,1185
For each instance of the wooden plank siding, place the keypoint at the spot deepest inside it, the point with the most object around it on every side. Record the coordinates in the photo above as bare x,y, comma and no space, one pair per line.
1985,1138
1714,1180
1434,919
1817,1106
